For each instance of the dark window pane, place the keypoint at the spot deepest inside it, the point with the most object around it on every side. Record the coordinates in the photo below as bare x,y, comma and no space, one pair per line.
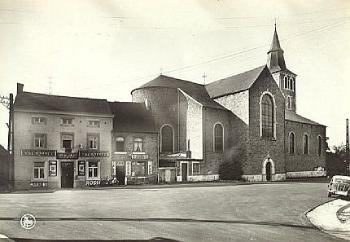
267,119
167,139
218,137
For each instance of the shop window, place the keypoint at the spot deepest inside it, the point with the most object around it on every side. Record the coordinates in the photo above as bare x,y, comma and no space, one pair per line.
67,141
120,144
167,138
138,168
195,168
40,140
319,139
67,121
218,137
306,144
94,123
138,143
93,141
93,170
267,116
39,170
38,120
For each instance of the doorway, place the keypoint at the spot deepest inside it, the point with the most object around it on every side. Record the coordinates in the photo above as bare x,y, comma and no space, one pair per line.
67,174
184,172
268,171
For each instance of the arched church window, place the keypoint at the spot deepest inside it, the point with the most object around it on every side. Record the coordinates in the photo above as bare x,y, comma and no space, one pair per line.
267,116
319,139
289,102
167,138
306,144
291,143
285,82
218,137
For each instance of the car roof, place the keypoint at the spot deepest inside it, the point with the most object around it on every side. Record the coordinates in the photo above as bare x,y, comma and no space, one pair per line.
342,177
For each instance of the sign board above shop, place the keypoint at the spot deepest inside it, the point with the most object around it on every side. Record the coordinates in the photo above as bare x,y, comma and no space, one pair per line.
67,156
48,153
139,157
90,153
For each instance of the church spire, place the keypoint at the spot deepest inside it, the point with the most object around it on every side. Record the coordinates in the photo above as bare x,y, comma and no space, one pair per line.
275,58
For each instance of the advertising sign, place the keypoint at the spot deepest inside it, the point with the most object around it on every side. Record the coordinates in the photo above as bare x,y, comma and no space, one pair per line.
28,152
52,168
81,168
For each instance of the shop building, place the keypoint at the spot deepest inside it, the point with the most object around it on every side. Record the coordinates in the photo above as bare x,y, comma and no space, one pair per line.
134,144
61,142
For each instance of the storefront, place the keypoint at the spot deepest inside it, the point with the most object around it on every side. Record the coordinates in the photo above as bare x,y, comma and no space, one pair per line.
52,169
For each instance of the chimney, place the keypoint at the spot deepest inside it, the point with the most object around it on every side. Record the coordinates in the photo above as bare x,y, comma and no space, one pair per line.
19,88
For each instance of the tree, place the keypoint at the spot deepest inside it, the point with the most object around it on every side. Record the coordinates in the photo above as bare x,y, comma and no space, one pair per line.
335,160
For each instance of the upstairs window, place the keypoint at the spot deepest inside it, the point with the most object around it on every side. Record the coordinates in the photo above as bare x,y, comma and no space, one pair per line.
306,144
40,140
167,138
138,143
267,116
218,138
285,82
39,120
319,139
291,143
93,141
67,141
94,123
120,144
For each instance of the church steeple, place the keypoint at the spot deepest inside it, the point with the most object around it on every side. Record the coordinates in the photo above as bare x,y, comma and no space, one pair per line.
275,58
285,79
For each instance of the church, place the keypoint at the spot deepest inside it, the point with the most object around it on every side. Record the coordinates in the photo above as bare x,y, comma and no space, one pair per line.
250,118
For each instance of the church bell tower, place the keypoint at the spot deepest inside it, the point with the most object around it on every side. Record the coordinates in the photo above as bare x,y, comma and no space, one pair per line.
286,80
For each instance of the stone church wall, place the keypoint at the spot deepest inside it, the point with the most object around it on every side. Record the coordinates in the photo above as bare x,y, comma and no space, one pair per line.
300,162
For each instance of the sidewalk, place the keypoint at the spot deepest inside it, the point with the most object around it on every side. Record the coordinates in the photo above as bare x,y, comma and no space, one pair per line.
331,217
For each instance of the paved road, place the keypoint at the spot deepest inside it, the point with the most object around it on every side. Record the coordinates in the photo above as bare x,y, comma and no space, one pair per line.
259,212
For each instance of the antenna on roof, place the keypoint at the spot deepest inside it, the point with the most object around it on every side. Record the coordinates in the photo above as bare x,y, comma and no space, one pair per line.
204,76
50,85
161,71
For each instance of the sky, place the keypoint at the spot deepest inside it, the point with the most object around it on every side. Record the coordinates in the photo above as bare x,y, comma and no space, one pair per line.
105,49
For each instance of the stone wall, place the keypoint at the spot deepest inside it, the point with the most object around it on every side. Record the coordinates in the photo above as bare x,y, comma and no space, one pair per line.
299,161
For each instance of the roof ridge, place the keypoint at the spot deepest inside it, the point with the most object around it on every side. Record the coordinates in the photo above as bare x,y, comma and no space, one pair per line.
242,73
178,79
50,95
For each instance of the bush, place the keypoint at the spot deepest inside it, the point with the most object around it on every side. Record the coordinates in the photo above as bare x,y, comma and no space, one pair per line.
230,170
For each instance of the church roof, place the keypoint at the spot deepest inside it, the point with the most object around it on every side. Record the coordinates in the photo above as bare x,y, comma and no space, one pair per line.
45,102
275,45
234,84
195,90
292,116
131,117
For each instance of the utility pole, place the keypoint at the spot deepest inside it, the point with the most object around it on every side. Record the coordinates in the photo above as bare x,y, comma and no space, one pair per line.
347,148
8,103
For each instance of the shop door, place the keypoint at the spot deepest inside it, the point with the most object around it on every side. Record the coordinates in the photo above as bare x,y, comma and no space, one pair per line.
167,175
121,175
67,174
184,171
268,171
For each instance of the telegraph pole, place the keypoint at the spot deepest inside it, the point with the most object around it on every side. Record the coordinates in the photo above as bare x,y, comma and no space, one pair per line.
347,148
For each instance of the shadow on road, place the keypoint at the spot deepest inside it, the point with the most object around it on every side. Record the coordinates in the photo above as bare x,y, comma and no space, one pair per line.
168,220
44,240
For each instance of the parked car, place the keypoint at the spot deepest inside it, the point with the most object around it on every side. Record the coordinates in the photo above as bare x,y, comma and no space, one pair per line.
340,186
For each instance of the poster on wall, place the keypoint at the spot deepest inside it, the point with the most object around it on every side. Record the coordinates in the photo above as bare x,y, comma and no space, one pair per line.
81,168
53,168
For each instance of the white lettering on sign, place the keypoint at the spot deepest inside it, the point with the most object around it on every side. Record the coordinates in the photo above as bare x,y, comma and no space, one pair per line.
92,182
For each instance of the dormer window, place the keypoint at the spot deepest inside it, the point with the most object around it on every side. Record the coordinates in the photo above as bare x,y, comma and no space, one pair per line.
67,121
38,120
94,123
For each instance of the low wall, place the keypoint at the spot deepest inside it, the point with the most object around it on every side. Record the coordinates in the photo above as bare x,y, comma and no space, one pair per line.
199,178
301,174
